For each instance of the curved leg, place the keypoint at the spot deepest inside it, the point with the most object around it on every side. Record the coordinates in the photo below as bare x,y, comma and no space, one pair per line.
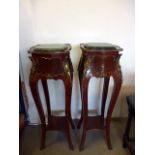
70,116
117,76
81,118
104,95
85,83
45,88
69,138
35,93
71,121
68,90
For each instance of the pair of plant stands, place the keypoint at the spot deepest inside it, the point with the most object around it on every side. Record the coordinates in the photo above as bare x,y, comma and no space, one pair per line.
52,61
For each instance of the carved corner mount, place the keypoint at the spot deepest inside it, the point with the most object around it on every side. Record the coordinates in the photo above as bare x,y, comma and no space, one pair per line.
86,66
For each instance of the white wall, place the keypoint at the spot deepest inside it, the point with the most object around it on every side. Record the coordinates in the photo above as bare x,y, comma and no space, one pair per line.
77,21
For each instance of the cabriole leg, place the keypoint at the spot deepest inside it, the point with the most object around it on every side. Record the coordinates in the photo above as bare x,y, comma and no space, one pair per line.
117,76
35,93
85,83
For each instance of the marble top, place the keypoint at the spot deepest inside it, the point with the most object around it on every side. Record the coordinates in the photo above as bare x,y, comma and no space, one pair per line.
101,46
49,48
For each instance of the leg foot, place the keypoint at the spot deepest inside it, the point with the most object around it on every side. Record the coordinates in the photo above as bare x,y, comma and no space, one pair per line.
83,140
69,138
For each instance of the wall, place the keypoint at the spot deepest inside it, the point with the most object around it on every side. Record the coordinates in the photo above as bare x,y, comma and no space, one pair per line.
77,21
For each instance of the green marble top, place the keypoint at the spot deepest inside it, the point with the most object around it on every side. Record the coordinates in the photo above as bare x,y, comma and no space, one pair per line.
48,48
101,46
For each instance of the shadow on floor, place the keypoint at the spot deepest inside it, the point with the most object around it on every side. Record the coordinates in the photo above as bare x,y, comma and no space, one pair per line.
56,142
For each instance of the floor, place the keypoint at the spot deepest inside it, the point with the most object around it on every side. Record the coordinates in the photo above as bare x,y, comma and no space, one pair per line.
56,143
